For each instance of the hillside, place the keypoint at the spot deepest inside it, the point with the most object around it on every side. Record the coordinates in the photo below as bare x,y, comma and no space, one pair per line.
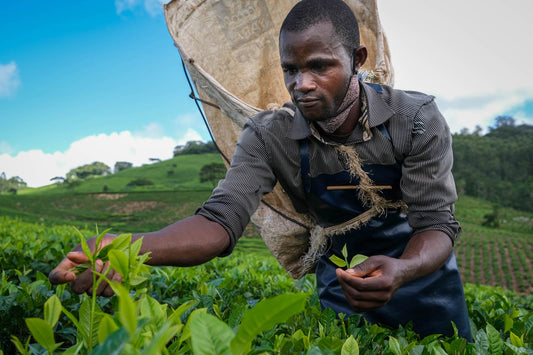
176,193
497,166
177,174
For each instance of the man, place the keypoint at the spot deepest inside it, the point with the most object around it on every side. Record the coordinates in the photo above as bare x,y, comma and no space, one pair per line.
350,155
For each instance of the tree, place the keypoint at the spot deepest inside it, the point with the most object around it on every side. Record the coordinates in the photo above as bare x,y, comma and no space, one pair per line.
85,171
11,185
497,166
195,147
122,165
504,121
212,172
58,179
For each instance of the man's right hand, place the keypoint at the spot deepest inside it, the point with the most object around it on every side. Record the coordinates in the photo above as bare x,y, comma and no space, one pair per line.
84,282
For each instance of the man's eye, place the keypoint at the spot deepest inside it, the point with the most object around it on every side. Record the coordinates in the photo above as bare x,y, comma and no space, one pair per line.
320,67
290,71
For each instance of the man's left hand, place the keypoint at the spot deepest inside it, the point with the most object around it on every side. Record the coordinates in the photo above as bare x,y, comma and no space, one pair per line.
372,283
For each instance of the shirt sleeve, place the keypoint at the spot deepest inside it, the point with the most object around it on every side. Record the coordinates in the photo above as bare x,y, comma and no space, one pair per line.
427,183
238,195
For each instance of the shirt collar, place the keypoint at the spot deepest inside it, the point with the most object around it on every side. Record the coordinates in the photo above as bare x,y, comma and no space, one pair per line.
374,111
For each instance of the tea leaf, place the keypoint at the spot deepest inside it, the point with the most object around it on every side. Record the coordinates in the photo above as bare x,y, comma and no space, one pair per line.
151,308
119,262
161,338
126,308
175,316
264,316
495,341
508,323
357,259
99,239
344,251
516,340
122,242
394,346
85,248
337,261
113,344
350,347
135,248
42,332
106,328
89,320
52,310
23,349
210,335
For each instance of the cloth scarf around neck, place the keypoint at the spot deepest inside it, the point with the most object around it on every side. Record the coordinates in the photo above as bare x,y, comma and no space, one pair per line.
331,124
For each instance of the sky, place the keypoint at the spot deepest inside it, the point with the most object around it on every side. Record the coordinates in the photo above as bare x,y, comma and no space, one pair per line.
100,80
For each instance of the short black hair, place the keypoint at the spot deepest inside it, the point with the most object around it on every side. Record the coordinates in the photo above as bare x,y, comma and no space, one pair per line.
307,13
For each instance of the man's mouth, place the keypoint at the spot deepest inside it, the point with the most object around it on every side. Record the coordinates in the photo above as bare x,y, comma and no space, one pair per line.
307,101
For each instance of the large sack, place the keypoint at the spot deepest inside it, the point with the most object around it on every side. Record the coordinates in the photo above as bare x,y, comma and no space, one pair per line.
230,48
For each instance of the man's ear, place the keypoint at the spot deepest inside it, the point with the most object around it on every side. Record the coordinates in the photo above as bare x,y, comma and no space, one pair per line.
359,54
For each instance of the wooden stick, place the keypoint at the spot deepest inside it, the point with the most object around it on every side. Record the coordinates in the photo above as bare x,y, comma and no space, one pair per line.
355,187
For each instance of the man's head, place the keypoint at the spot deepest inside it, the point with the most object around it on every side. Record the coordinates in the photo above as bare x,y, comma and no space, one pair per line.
319,52
307,13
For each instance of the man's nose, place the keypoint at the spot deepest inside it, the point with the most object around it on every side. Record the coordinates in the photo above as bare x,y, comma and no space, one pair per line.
304,82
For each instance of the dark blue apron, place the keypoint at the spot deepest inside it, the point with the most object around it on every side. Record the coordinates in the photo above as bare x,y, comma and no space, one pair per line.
430,303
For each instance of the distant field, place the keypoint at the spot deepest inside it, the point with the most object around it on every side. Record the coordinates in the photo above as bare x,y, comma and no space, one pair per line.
498,257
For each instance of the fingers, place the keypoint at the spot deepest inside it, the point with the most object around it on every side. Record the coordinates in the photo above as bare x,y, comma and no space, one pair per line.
62,274
364,294
78,257
84,281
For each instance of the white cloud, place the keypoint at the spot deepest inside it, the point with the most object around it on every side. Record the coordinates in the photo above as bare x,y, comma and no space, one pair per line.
482,111
37,168
9,79
190,135
152,130
472,55
459,48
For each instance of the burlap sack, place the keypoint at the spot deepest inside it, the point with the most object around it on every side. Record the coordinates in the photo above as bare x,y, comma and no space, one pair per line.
230,49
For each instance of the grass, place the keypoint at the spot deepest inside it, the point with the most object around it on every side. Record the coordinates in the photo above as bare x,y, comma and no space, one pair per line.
471,211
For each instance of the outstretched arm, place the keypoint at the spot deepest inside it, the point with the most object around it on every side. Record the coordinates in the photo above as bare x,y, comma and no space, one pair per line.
191,241
372,283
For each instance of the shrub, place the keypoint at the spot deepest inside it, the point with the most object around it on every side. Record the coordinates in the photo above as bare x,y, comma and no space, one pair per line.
140,182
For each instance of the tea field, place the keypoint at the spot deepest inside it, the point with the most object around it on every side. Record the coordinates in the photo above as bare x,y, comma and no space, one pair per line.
240,304
244,303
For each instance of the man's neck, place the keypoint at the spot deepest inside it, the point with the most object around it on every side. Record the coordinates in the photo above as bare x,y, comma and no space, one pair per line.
345,130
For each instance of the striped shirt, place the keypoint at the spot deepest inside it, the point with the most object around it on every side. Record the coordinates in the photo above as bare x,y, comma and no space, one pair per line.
268,152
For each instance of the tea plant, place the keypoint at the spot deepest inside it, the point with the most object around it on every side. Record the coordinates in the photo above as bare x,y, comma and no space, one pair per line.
235,305
357,259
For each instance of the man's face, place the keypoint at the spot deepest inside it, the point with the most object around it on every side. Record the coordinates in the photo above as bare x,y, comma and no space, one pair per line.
316,70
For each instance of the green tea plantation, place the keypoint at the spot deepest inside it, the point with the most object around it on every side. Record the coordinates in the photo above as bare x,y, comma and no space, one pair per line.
241,304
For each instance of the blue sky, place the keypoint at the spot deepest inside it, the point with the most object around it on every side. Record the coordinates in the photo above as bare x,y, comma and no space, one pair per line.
84,80
84,69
